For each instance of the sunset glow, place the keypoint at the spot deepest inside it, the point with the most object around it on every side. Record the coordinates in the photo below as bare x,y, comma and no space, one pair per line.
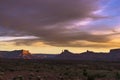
44,26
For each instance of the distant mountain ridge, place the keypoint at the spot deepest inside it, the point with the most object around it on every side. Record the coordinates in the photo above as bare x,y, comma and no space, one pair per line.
16,54
112,55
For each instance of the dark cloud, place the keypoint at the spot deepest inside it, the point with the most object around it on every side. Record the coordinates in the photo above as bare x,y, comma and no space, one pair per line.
50,20
39,13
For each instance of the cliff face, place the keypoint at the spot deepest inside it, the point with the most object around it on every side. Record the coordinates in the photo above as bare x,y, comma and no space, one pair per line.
25,54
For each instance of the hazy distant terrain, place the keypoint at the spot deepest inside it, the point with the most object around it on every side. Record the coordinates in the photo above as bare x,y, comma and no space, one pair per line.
112,55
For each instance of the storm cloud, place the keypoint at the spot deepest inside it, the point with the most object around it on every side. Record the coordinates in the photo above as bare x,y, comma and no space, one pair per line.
52,21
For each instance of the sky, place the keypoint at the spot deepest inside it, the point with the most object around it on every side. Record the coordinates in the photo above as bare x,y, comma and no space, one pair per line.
49,26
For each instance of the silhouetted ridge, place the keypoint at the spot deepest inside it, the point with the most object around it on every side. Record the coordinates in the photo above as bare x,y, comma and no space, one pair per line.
115,51
66,52
16,54
90,55
112,55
